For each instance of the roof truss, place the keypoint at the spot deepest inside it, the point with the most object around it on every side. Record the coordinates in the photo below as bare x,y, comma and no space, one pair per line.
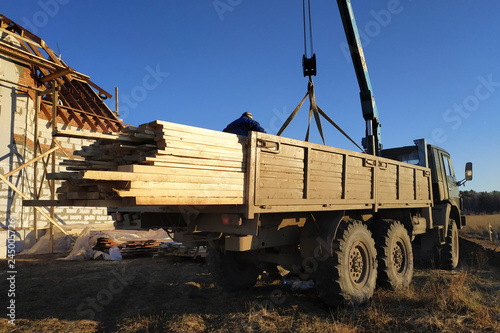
80,99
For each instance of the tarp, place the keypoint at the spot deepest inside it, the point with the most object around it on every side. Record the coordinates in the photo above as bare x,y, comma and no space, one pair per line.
61,244
88,239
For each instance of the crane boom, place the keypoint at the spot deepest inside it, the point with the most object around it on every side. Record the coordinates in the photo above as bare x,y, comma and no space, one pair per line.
372,142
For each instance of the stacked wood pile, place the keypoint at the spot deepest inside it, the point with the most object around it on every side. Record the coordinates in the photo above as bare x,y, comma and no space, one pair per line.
159,163
129,248
176,249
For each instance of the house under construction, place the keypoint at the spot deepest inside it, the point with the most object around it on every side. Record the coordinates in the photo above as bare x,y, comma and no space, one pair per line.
40,95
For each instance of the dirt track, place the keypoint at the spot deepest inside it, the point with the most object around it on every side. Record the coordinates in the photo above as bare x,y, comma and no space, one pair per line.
131,295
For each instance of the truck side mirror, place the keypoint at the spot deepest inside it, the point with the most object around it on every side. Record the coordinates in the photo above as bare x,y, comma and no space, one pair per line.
468,171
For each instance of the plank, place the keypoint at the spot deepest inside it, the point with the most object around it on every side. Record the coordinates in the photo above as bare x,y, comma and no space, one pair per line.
285,151
165,125
282,162
269,193
200,167
72,195
63,175
110,176
187,201
101,136
358,191
233,141
195,161
317,174
68,187
266,168
320,157
323,166
186,186
178,171
326,194
201,147
190,193
318,186
265,182
179,152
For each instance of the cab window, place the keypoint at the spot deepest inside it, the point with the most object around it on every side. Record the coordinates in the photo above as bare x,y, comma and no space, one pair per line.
448,167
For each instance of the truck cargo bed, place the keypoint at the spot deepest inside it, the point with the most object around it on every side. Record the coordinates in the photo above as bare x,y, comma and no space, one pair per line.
167,164
291,175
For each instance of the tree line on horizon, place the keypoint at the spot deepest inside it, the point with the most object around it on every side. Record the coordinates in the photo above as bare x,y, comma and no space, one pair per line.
481,202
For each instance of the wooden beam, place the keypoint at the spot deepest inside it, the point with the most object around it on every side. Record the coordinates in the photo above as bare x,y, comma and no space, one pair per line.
19,168
89,99
99,89
99,136
21,30
174,176
21,85
26,57
62,149
57,74
42,211
180,194
27,40
152,201
82,203
38,103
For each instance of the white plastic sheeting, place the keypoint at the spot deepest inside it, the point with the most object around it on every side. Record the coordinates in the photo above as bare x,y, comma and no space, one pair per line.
61,244
88,239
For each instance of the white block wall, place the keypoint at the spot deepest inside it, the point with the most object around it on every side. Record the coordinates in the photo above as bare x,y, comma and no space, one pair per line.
17,114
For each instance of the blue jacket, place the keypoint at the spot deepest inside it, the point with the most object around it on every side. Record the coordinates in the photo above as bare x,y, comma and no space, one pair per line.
243,125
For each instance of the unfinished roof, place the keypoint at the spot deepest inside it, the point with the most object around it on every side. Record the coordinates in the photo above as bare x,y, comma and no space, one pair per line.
80,100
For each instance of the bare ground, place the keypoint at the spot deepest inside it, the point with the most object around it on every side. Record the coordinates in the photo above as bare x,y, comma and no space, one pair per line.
167,295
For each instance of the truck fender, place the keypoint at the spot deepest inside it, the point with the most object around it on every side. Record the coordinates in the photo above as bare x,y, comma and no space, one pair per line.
455,213
443,212
440,214
318,233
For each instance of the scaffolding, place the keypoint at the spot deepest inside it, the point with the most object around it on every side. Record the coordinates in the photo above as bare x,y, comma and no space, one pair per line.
60,94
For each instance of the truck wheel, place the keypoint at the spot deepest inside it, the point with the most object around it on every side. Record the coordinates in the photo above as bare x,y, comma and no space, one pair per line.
395,255
349,276
230,272
449,251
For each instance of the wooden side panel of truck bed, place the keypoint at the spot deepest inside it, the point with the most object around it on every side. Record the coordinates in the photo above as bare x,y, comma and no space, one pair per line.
287,175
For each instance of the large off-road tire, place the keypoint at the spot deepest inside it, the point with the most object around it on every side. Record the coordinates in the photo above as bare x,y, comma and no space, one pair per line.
450,251
349,276
230,272
394,255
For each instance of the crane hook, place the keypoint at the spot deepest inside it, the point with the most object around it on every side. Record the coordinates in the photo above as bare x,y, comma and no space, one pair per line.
308,63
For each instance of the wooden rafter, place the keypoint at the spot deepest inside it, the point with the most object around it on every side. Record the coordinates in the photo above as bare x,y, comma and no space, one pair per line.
81,98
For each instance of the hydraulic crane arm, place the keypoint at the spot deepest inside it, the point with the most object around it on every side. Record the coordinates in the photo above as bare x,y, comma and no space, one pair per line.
371,142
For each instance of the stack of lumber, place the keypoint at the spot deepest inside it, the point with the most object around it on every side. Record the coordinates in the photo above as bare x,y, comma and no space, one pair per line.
129,248
159,163
176,249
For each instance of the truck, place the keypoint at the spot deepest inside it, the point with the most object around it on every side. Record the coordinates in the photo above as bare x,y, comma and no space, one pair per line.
347,220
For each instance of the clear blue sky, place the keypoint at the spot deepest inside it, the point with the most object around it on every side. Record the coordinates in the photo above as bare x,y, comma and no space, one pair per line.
434,66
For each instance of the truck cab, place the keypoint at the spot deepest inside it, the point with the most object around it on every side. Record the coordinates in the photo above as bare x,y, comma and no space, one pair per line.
445,185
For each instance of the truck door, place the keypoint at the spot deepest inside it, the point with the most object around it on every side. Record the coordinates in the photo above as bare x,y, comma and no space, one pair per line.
449,178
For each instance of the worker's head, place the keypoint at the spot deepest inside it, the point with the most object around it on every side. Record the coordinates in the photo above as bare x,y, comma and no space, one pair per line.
247,114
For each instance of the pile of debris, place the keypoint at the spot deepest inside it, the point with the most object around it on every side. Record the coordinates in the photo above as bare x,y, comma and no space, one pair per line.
92,244
168,249
129,248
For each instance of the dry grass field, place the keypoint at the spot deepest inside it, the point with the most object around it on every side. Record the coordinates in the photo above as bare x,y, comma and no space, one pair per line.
484,230
173,295
478,224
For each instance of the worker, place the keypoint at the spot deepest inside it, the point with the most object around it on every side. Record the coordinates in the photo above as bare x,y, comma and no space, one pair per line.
243,125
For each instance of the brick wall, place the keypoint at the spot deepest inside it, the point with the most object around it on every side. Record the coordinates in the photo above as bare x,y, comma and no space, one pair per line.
17,114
